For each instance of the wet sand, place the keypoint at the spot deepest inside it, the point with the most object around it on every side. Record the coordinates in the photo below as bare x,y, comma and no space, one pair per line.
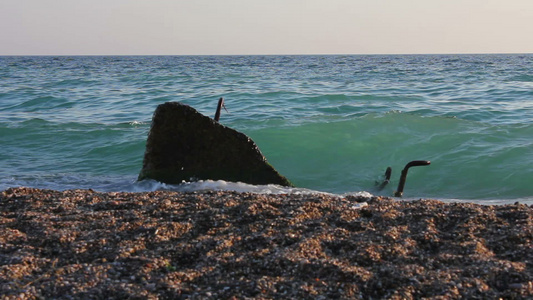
223,245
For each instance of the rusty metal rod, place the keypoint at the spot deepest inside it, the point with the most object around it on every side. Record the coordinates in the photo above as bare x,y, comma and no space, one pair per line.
219,107
414,163
388,173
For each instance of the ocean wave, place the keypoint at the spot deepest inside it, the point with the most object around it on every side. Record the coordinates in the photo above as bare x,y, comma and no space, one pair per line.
328,123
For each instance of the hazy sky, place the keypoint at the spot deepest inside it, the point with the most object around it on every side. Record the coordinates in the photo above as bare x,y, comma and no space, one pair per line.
145,27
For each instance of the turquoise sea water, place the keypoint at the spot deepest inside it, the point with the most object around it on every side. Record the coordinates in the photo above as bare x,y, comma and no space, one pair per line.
328,123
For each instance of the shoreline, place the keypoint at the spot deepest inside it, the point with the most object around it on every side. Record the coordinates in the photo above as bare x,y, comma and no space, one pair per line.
86,244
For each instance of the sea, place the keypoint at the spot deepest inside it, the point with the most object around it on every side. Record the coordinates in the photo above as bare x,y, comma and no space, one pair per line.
329,123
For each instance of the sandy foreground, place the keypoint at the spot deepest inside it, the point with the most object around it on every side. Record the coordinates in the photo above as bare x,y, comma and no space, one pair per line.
223,245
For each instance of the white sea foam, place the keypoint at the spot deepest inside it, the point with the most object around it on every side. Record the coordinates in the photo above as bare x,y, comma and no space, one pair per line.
221,185
130,184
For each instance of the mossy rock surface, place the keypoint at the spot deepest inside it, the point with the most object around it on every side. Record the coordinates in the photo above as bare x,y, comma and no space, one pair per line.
184,145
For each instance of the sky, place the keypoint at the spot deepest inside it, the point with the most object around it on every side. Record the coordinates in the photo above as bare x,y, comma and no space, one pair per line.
247,27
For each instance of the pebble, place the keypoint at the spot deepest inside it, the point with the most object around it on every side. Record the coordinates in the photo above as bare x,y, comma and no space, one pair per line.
276,249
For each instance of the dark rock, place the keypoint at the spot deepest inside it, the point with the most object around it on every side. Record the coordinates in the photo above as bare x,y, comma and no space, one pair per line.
184,145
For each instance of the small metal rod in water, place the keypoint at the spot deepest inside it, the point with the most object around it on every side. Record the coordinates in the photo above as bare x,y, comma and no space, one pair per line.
388,173
414,163
219,108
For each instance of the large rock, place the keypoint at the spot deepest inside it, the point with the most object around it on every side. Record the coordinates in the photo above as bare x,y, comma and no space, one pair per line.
184,145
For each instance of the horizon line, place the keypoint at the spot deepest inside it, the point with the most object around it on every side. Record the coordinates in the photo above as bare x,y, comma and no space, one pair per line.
295,54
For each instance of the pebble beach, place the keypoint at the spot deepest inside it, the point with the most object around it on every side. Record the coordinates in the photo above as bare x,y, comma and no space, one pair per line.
82,244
